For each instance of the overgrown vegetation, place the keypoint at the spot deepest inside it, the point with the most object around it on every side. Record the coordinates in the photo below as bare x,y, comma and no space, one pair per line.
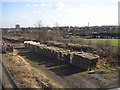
108,48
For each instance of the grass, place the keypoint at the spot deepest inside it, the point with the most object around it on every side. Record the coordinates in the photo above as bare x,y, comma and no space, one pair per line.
111,75
112,42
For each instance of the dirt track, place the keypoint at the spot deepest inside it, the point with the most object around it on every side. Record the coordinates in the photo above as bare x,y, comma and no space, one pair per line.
65,74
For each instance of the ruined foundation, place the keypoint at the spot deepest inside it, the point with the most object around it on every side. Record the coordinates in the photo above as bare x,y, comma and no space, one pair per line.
80,59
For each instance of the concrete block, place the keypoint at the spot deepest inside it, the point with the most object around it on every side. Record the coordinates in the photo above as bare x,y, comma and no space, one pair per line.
66,57
41,50
48,52
25,44
59,55
36,49
55,54
84,60
28,45
32,48
52,53
80,61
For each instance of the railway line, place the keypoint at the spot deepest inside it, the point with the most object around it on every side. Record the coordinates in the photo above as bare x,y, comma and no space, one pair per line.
7,80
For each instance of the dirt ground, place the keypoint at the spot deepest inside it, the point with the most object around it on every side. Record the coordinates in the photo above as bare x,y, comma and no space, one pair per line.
30,70
24,74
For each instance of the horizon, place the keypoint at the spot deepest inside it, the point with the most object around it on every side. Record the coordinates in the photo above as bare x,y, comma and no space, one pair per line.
64,26
78,13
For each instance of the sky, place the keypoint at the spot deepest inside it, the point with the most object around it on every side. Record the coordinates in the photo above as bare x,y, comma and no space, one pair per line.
119,13
63,12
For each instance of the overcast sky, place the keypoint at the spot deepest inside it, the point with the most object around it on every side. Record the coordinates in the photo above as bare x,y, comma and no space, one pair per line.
64,12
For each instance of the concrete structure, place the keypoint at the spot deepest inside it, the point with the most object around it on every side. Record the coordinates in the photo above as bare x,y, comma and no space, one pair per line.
119,13
84,60
80,59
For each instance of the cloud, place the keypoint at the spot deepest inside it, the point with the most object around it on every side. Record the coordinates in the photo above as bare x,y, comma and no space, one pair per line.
60,6
50,4
25,18
73,11
22,16
40,5
28,5
43,5
56,6
33,5
46,4
37,12
58,14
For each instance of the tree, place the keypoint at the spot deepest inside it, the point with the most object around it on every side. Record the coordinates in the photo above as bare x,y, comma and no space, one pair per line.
57,29
40,32
39,23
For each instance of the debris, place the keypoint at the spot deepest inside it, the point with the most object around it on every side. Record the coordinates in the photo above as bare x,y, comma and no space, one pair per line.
96,72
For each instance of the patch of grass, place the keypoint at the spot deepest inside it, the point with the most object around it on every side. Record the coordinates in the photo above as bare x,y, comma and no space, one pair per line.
83,74
110,75
110,68
113,42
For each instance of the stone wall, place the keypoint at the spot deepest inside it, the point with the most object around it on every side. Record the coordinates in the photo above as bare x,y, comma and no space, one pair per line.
80,59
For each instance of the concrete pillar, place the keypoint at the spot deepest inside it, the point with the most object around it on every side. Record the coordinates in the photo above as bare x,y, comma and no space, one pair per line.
41,50
59,55
67,57
28,46
55,54
33,47
36,49
25,44
52,53
48,52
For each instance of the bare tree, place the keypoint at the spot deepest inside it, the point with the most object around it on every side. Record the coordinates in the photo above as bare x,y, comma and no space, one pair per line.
57,29
39,24
58,32
40,33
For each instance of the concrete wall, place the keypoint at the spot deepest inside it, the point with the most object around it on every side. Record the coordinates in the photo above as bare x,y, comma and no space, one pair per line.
79,59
